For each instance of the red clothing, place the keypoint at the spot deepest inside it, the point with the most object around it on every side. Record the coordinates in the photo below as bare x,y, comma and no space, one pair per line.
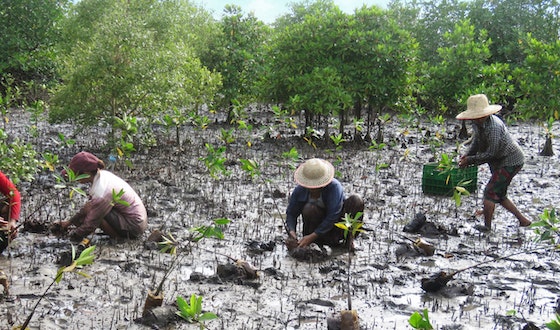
8,189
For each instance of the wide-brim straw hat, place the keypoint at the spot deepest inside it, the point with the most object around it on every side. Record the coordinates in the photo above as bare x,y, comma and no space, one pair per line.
314,173
478,107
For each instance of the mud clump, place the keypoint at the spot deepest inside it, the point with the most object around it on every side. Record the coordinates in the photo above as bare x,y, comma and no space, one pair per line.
311,253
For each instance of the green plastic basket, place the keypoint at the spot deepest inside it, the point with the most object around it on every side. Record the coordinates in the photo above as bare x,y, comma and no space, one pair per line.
435,181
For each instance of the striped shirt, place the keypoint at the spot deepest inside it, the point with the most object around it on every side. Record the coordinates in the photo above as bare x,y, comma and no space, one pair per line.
493,144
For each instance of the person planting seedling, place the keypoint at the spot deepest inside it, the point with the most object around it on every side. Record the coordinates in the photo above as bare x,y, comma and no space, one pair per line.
113,205
492,144
319,200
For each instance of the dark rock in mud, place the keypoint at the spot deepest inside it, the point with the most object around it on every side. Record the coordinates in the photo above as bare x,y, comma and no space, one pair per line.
278,194
271,271
257,247
436,282
420,225
239,272
36,227
152,242
159,317
321,302
416,223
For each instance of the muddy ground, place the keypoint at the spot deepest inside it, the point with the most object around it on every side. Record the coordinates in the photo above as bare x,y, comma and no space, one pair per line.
385,272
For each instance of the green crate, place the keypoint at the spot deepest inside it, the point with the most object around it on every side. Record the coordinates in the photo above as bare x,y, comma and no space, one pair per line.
438,182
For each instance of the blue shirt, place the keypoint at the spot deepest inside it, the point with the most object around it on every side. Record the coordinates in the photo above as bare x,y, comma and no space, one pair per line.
332,196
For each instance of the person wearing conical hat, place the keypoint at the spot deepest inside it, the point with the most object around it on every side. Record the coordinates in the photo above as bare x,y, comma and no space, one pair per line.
125,219
319,199
492,144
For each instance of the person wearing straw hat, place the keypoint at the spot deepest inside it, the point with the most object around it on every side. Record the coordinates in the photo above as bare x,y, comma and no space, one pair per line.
125,219
319,199
492,144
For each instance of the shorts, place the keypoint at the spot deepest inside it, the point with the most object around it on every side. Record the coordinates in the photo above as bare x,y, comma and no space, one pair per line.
126,228
496,189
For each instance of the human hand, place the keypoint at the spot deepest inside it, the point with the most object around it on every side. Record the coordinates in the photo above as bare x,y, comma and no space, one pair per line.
60,227
10,227
463,162
307,239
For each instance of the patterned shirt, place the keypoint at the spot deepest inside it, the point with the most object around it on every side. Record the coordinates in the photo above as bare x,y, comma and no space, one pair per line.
493,144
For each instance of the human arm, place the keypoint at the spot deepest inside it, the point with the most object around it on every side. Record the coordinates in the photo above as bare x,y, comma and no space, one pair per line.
493,134
294,209
89,217
333,198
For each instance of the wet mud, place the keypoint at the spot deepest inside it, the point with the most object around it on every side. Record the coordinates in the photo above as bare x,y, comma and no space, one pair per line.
286,290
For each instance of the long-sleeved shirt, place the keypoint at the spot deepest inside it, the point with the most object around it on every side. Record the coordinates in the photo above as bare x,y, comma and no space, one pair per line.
493,144
332,196
9,190
101,203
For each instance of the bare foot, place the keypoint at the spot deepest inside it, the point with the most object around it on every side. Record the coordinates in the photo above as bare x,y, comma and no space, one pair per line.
524,223
482,228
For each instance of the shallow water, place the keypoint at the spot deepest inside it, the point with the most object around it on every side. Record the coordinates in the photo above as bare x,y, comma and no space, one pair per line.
289,294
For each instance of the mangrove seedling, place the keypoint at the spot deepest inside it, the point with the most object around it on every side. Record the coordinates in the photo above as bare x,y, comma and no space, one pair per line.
547,149
460,191
351,225
215,161
117,198
170,245
86,258
50,161
251,167
71,181
554,324
192,311
420,321
547,228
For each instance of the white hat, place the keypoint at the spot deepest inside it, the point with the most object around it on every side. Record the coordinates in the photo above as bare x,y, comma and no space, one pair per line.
314,173
478,107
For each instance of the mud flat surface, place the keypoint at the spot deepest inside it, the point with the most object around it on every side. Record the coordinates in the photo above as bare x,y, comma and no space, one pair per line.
385,271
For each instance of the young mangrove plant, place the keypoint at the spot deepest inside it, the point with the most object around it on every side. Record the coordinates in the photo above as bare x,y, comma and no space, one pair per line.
420,321
351,225
170,245
192,311
19,160
215,161
547,149
554,324
86,258
548,228
71,182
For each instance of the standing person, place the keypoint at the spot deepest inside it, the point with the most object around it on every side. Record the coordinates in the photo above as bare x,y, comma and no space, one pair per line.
492,144
115,219
10,207
319,199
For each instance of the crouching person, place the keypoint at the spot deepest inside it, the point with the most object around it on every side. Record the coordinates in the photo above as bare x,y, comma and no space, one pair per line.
319,199
118,220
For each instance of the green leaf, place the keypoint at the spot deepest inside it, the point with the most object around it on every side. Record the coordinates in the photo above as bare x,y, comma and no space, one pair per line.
207,317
